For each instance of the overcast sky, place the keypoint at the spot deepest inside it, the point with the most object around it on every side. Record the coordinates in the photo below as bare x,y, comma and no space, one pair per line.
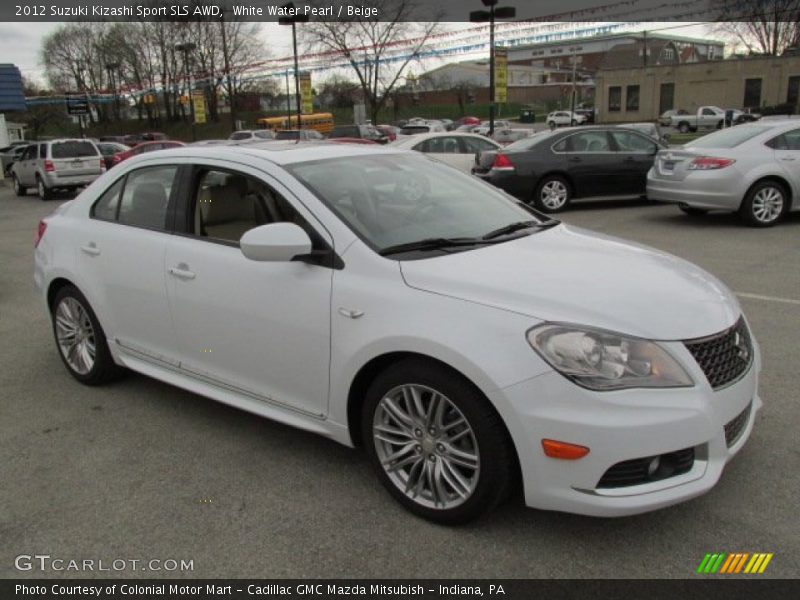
20,43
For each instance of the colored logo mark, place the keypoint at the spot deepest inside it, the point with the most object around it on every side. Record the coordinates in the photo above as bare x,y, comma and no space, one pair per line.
735,562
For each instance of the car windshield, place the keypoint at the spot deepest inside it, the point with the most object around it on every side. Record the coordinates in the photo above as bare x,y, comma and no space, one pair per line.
73,149
395,199
727,138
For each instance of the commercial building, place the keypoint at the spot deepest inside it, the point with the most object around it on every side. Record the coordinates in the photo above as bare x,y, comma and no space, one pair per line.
643,93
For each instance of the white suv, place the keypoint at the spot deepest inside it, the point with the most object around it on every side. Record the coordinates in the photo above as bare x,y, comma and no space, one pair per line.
561,118
64,164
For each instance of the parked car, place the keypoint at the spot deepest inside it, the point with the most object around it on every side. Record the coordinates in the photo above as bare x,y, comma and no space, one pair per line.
463,340
252,134
449,125
109,149
117,139
349,140
11,154
589,113
483,128
61,164
456,149
367,132
734,116
564,118
299,134
468,120
143,147
390,131
707,117
650,129
665,120
553,168
421,127
752,169
508,135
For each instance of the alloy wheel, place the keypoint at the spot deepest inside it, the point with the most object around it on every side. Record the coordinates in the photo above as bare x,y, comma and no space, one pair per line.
75,335
554,194
426,446
767,204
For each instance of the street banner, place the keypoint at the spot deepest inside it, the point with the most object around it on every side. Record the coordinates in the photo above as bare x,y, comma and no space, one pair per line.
199,100
306,95
500,75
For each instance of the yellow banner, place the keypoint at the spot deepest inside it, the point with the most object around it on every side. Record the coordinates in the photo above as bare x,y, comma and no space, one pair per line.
306,95
199,101
500,75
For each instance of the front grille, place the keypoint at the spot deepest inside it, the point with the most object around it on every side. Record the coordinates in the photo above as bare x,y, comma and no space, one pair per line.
735,427
724,357
645,470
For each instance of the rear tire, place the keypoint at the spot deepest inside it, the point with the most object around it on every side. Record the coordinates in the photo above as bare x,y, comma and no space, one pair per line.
80,339
765,204
19,189
43,191
573,122
436,443
683,127
553,194
552,125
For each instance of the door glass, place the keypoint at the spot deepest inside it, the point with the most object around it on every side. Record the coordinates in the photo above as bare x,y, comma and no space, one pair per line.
105,208
146,196
42,150
792,139
473,145
590,141
229,204
632,142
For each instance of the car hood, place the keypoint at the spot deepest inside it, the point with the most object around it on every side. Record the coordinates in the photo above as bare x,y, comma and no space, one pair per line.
567,274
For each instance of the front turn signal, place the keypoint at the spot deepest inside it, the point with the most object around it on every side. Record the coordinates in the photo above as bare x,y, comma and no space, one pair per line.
563,450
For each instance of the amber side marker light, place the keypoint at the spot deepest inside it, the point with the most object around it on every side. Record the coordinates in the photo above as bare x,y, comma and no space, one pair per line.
563,450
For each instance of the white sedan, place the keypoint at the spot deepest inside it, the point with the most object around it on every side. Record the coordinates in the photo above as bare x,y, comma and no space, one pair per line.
456,149
462,339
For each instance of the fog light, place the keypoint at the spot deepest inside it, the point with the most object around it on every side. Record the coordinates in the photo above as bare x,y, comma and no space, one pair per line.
653,466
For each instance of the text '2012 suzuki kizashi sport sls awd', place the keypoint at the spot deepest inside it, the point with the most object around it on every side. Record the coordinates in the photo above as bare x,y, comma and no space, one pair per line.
388,301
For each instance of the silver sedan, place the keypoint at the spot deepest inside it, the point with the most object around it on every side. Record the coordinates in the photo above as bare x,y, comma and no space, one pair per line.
751,169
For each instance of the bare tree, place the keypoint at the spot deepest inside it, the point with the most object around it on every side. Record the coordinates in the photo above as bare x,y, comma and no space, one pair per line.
762,26
370,47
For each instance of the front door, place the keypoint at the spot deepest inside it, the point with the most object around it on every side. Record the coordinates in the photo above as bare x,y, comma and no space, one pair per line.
260,329
592,165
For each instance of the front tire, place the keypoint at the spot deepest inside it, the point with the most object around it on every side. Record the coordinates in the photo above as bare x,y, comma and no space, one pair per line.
19,189
765,204
553,194
80,340
437,445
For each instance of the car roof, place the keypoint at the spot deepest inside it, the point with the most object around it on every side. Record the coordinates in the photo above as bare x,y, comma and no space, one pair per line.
281,152
435,134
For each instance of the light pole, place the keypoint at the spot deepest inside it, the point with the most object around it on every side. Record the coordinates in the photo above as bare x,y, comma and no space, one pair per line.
292,20
187,47
111,67
481,16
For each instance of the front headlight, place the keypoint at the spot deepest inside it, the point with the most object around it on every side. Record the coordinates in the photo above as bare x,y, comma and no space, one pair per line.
603,360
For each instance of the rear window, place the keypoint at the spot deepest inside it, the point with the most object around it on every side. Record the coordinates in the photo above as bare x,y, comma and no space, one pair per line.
72,149
414,129
288,135
728,138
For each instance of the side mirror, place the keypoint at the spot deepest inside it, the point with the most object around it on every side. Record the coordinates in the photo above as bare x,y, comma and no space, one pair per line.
275,242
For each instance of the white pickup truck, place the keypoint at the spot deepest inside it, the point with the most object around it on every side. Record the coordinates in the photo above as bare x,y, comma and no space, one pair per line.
707,117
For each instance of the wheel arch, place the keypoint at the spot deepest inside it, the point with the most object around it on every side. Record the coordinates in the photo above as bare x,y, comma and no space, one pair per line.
560,173
56,285
777,179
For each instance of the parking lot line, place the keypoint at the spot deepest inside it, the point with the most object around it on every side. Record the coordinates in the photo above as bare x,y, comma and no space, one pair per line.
767,298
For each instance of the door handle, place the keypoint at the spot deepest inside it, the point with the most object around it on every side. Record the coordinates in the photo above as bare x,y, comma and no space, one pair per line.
91,249
788,158
574,159
182,272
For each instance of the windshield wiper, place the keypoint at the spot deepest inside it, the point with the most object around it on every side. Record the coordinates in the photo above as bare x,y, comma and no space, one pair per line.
512,227
431,244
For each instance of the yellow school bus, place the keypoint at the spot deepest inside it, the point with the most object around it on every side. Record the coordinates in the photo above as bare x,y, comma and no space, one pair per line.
322,122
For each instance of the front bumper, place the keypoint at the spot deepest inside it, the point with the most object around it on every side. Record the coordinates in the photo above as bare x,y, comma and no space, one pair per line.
711,190
621,426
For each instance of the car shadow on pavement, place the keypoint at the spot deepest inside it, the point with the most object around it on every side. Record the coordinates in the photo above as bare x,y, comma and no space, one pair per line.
714,220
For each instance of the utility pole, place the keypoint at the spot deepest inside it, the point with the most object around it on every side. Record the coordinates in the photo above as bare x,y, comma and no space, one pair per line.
288,102
187,47
111,67
293,20
226,59
574,75
79,84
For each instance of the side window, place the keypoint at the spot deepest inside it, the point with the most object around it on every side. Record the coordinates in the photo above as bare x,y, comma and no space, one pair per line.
473,145
30,152
792,139
146,196
105,208
560,145
228,204
632,142
42,150
590,141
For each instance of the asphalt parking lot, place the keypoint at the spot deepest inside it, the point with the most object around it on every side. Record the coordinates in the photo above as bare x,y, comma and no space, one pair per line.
142,470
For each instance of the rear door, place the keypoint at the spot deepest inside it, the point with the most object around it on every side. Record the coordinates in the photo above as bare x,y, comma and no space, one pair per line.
75,158
787,153
635,153
592,164
26,165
